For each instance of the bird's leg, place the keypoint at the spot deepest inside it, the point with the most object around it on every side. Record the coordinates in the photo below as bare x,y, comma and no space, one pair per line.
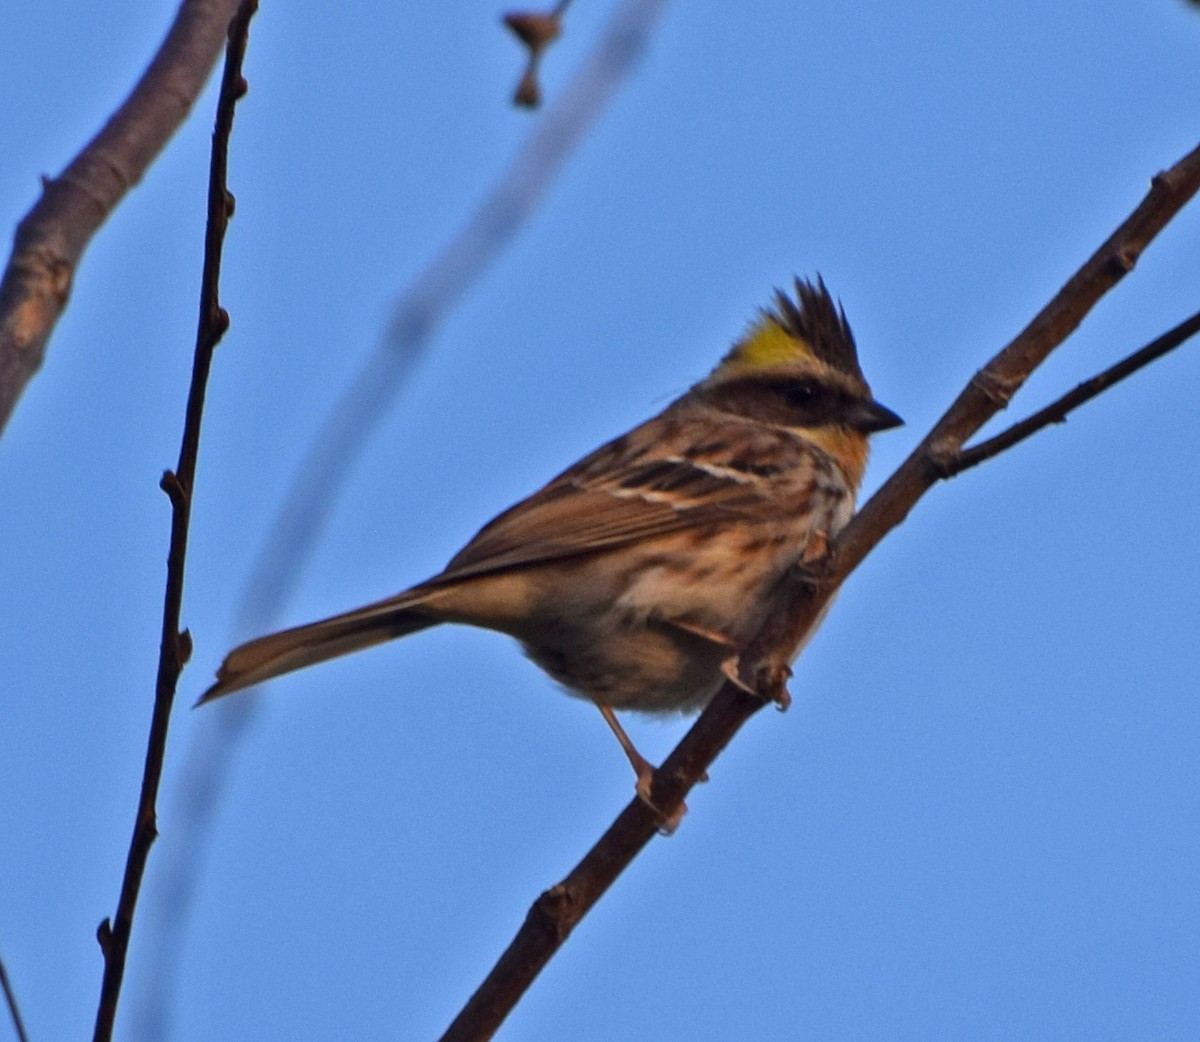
644,770
642,767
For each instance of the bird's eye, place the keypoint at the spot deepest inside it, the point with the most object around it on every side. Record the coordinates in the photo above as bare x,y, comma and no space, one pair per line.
800,393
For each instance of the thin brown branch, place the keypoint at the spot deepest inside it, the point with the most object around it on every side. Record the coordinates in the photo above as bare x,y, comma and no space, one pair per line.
1058,410
556,912
175,647
10,999
52,237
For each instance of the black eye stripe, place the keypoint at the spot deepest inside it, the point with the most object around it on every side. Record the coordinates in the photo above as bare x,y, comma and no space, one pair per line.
789,402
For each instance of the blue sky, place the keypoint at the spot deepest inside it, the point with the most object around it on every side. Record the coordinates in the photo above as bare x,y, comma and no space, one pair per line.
979,818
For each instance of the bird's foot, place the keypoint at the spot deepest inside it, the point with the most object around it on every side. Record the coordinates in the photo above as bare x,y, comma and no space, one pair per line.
645,771
667,823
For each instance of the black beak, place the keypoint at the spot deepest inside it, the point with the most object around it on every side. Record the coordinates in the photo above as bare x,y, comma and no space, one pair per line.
870,416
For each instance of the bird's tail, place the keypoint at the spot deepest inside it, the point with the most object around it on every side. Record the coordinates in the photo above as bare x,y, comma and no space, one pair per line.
282,652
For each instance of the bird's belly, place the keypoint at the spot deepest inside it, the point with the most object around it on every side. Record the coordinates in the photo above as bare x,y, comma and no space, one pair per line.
645,666
649,636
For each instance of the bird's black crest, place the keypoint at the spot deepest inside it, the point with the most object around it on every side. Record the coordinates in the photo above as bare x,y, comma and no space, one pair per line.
815,318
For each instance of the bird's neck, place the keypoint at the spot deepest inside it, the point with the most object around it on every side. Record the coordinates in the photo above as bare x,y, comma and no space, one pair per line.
846,446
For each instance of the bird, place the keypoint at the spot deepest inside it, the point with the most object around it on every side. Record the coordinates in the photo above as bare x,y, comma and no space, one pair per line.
637,576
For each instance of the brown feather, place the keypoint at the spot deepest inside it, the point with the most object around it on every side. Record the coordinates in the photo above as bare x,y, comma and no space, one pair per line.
605,501
301,646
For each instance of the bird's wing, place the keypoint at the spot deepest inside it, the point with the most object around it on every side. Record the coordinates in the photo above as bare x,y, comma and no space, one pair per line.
645,484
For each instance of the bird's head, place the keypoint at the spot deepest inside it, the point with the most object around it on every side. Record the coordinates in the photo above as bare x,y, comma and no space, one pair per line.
797,367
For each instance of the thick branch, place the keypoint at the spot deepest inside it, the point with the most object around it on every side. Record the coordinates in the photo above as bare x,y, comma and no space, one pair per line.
175,647
52,237
555,913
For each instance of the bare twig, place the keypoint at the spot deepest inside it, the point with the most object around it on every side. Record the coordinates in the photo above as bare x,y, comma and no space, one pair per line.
10,999
52,237
1057,411
556,912
175,647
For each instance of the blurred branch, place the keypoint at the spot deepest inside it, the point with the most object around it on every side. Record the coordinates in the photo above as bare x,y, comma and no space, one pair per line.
10,999
425,304
298,524
50,240
556,912
176,645
1057,411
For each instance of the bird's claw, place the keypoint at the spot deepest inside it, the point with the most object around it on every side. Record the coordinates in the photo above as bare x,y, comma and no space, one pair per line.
770,682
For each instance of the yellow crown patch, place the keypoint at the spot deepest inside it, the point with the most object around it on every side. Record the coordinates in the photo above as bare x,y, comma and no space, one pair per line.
767,345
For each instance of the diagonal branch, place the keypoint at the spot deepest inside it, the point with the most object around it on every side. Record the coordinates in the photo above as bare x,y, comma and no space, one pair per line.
178,484
1058,410
50,240
557,911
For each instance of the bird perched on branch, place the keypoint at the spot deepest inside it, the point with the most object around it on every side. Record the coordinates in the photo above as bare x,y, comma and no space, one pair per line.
637,576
